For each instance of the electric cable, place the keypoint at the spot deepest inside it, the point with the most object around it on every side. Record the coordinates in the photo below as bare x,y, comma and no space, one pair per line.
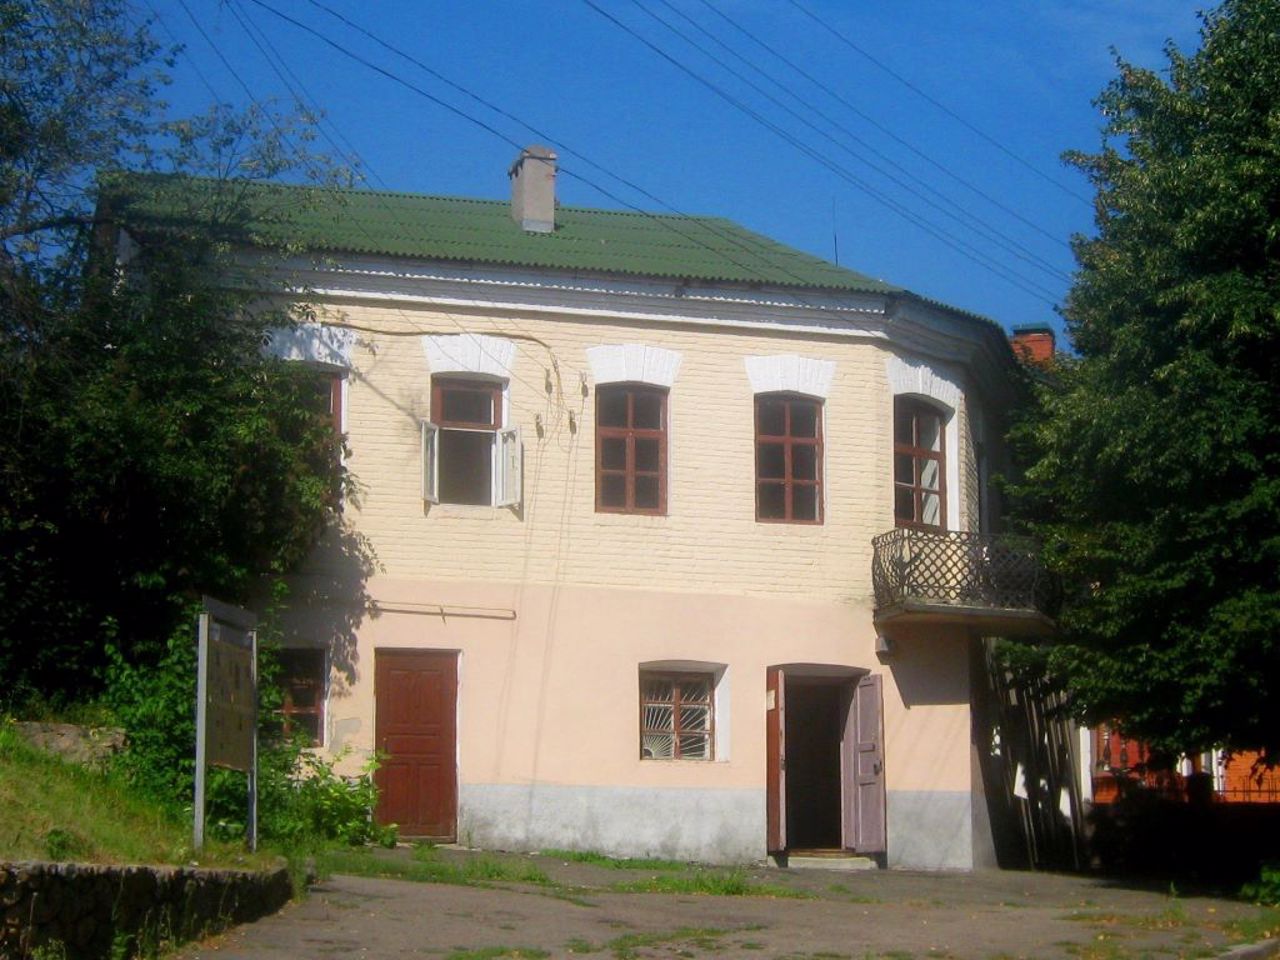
941,106
962,217
1027,286
888,132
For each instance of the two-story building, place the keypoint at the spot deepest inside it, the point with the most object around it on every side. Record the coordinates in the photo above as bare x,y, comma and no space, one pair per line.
668,540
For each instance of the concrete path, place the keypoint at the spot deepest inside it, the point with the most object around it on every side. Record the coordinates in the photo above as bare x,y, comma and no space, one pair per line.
873,915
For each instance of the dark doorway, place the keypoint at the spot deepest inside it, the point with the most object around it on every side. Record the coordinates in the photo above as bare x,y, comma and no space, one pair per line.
416,697
814,722
824,760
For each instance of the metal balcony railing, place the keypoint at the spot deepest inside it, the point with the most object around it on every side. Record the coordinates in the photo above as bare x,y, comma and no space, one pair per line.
958,569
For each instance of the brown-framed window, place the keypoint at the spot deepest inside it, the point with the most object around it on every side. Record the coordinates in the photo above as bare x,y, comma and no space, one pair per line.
327,387
631,449
302,680
677,716
919,465
467,414
788,458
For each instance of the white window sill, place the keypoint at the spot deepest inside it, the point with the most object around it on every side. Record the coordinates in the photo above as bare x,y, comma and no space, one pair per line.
467,511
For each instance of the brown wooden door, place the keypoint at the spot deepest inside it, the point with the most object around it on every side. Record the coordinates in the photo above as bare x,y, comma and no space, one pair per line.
775,725
416,698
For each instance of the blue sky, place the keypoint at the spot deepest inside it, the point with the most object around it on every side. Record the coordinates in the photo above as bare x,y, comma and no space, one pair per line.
948,213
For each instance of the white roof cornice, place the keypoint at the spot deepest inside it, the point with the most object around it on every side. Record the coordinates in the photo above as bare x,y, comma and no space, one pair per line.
912,326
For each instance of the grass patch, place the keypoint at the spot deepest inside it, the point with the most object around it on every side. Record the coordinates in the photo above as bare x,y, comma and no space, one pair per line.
426,866
614,863
1264,923
1170,919
51,809
628,946
716,883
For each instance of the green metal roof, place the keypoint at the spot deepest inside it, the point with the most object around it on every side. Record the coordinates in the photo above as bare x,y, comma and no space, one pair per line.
459,230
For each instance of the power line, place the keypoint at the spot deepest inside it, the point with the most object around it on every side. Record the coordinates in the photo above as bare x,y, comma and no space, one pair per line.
564,148
960,246
706,225
280,67
280,132
333,44
962,216
941,106
867,118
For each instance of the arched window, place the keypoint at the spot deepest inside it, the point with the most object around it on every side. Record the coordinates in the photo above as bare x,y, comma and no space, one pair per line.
631,448
919,464
788,458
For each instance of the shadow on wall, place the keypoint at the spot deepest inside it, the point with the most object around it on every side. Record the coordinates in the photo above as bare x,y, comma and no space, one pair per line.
330,600
929,670
1026,751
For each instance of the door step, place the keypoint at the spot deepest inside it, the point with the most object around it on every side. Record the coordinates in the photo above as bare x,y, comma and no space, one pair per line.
806,860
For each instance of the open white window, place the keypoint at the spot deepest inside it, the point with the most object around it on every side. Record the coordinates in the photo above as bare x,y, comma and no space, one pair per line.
468,457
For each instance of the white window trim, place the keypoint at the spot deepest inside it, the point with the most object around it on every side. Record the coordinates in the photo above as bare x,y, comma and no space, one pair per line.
790,373
634,363
919,379
470,353
719,699
312,343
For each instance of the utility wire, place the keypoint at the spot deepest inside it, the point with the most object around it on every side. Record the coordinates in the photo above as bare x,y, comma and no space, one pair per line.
888,132
280,132
280,67
960,246
960,216
360,164
938,104
704,224
751,248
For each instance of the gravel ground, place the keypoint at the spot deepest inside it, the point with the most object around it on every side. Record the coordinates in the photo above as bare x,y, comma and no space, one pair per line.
865,915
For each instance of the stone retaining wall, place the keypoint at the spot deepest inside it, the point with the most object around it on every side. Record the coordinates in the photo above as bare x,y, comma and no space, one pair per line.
90,746
96,910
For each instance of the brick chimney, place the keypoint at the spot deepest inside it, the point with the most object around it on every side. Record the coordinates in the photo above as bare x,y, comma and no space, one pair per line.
1033,344
533,189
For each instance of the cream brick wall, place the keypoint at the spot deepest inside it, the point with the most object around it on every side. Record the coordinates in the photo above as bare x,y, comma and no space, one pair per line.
709,541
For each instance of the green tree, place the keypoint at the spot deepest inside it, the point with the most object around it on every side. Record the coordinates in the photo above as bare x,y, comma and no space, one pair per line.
1154,474
151,452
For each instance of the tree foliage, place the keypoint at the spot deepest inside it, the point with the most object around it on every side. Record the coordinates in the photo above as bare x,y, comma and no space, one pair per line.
151,452
1155,454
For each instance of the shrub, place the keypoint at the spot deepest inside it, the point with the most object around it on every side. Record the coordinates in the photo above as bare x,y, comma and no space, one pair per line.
302,800
1267,889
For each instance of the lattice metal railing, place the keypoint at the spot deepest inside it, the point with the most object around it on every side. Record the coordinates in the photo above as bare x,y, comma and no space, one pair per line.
959,569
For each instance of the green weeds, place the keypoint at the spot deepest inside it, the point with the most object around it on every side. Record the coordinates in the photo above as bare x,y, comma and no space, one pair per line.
612,863
629,945
427,866
717,883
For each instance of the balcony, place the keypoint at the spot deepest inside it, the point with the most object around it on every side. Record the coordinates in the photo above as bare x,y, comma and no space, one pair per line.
994,585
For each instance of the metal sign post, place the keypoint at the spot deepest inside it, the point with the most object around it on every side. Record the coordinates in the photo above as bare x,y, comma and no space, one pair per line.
227,705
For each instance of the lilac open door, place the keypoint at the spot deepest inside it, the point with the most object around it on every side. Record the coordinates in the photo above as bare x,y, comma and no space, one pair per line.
775,725
863,748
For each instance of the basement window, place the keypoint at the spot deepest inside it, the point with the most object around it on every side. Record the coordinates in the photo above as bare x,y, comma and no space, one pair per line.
677,716
303,672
